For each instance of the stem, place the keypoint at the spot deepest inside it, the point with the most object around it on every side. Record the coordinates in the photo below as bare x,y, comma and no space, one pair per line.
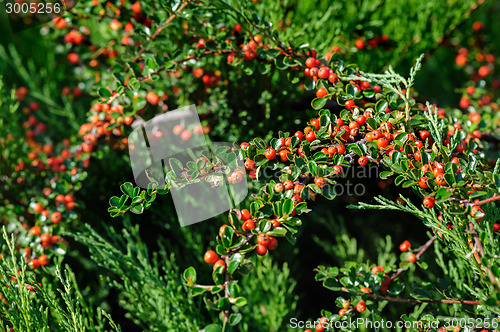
163,26
419,254
145,77
226,291
397,299
480,249
248,239
468,203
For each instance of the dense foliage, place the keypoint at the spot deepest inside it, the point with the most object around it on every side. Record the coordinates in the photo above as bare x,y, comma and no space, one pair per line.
389,110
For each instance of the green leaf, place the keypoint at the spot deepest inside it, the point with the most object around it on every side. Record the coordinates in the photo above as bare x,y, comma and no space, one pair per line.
240,301
119,77
175,165
234,319
137,209
287,207
192,165
114,201
234,262
443,193
313,168
318,103
127,188
265,225
381,106
135,68
139,103
189,275
495,270
277,232
351,89
196,291
372,123
223,304
213,328
104,93
386,174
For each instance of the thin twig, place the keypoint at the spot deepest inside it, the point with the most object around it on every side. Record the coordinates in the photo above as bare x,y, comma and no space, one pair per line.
468,203
163,26
397,299
419,254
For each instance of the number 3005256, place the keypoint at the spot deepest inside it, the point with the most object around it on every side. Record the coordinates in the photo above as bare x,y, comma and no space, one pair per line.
33,8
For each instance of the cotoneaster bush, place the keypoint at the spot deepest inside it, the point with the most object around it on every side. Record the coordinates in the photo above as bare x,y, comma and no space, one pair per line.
137,60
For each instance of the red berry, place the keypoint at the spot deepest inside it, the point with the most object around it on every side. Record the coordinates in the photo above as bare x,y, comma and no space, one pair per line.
299,135
270,153
310,136
382,143
321,92
185,135
35,263
261,250
249,164
152,98
311,62
349,104
424,134
337,169
365,290
483,71
35,230
45,238
496,227
177,130
73,58
323,72
210,257
248,225
316,123
43,259
412,258
360,44
273,243
128,120
320,182
362,161
38,208
418,155
361,119
245,214
275,223
475,210
288,185
56,217
296,199
440,181
244,145
361,306
405,245
284,155
423,182
429,202
263,239
218,263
